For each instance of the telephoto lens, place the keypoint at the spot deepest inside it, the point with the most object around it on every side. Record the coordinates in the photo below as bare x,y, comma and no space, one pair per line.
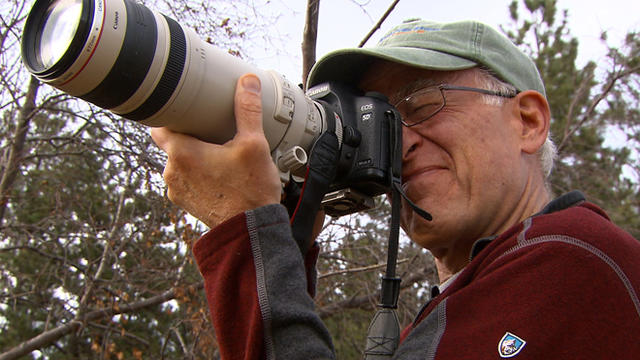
144,66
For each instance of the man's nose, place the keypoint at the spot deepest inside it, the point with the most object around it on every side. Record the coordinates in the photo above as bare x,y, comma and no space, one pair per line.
410,141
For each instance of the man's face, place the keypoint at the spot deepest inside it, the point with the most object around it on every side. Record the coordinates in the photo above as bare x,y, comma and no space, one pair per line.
463,165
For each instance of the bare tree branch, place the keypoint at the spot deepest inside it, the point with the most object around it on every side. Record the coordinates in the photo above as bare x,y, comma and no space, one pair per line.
588,114
357,270
126,334
48,337
44,254
368,300
105,253
579,94
379,23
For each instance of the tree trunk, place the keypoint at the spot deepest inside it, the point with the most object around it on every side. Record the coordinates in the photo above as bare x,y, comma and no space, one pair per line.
10,168
309,39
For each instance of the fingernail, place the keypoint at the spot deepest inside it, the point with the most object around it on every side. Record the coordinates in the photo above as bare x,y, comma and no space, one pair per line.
251,83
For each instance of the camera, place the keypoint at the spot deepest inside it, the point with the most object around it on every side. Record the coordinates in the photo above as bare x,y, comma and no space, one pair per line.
146,67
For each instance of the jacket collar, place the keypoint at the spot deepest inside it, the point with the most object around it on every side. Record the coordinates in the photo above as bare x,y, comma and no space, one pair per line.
562,202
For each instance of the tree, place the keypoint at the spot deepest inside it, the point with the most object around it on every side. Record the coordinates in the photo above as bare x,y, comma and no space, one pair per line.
351,264
94,259
354,251
95,263
310,34
587,104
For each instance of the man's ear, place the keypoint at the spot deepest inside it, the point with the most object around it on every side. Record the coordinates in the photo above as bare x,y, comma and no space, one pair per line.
535,116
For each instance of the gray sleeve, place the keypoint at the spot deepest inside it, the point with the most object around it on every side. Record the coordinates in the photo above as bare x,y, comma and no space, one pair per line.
423,341
292,329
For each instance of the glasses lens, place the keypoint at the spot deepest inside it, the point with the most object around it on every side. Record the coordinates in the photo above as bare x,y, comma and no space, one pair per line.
60,24
421,105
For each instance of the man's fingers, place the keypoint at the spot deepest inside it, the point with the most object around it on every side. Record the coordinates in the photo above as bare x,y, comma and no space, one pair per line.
248,105
167,140
178,146
161,137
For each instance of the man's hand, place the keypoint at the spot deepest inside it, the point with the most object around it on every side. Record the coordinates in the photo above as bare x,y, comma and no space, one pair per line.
215,182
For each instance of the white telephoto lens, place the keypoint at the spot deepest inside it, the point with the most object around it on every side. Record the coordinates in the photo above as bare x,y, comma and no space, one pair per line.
146,67
60,25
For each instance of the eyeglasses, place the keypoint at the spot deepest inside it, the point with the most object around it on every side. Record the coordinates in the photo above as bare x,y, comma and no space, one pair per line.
426,103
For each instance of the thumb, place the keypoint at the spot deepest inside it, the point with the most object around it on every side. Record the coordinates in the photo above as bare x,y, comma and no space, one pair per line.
248,105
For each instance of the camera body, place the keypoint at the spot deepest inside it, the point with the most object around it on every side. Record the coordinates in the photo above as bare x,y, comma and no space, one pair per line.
364,165
144,66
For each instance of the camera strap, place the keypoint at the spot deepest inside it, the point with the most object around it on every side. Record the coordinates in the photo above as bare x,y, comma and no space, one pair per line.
321,172
383,335
384,331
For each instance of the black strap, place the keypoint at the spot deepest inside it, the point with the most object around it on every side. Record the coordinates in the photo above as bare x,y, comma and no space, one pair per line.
390,283
383,335
321,172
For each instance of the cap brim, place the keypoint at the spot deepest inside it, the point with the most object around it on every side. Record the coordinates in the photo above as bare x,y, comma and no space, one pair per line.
348,65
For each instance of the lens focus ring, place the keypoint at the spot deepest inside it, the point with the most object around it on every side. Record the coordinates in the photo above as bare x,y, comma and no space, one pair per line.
170,77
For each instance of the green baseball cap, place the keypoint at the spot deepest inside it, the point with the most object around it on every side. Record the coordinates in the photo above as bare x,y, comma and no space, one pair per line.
435,46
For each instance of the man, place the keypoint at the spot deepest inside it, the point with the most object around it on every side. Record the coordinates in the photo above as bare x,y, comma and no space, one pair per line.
521,275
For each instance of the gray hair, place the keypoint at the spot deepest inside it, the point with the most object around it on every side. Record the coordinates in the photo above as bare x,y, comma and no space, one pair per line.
485,78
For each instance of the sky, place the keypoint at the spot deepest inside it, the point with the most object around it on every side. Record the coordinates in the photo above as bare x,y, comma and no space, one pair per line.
344,23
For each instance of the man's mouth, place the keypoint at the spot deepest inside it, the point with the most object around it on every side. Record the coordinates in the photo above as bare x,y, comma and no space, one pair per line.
410,175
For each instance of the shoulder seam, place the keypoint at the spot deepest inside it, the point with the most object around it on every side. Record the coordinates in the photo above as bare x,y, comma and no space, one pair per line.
441,313
588,247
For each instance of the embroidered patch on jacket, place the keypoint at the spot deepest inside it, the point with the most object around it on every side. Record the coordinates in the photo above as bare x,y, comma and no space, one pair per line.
510,345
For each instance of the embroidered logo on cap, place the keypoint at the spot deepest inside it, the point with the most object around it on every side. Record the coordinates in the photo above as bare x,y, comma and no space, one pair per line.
408,30
510,345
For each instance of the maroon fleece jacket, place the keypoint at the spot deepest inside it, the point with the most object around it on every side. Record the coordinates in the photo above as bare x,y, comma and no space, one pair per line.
563,284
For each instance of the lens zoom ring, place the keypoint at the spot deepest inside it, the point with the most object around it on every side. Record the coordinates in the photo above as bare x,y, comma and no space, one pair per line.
133,62
170,77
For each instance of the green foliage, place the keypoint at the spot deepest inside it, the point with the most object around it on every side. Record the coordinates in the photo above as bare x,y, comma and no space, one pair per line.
88,228
351,265
84,203
349,330
87,235
587,103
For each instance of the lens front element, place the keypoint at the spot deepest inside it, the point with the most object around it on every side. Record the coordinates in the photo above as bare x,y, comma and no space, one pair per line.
60,25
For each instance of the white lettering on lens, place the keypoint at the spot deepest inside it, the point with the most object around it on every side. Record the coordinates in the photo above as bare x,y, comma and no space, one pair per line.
115,22
91,43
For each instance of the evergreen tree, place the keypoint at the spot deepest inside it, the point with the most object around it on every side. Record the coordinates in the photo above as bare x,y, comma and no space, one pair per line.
95,263
587,103
94,260
351,265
